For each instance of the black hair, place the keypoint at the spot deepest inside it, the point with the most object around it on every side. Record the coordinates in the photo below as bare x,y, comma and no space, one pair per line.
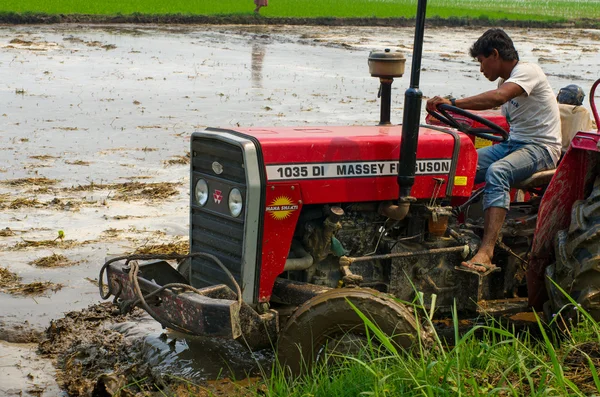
495,39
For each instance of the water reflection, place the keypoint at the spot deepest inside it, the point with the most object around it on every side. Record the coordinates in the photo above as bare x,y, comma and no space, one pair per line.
256,66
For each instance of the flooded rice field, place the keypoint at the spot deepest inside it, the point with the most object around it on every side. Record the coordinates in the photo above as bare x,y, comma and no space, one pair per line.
94,135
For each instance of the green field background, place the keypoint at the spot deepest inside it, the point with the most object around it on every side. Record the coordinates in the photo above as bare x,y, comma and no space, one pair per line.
498,9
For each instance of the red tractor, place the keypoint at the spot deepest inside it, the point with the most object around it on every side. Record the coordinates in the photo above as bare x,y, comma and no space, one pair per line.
289,224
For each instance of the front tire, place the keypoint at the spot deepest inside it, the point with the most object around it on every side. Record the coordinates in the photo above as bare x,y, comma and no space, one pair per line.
328,320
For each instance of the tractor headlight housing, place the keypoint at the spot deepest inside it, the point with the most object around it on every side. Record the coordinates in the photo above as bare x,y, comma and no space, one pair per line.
201,191
236,202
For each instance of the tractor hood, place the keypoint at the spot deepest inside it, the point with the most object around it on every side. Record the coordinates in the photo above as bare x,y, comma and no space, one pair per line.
363,161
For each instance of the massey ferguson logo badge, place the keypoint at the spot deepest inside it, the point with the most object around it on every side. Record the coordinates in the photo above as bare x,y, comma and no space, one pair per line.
281,208
217,196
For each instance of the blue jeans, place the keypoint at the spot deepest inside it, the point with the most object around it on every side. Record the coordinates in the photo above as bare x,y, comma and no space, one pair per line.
501,166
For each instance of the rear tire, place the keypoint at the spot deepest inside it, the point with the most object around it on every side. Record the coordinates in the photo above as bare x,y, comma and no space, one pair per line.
328,320
577,267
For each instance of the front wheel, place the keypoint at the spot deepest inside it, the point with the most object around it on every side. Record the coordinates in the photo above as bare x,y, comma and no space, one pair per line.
327,325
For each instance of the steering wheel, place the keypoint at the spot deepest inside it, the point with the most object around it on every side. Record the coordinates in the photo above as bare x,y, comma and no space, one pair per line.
491,132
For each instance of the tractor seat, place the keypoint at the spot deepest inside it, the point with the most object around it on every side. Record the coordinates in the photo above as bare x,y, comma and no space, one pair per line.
536,180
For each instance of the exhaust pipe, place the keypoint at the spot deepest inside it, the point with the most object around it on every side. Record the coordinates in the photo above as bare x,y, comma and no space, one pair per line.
302,262
396,212
412,111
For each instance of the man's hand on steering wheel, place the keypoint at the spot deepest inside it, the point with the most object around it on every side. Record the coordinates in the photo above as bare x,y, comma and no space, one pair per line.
441,109
433,103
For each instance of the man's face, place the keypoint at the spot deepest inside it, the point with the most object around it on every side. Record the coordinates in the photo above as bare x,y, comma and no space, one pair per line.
490,66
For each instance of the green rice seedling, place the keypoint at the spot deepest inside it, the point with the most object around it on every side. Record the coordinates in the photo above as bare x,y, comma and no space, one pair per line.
558,371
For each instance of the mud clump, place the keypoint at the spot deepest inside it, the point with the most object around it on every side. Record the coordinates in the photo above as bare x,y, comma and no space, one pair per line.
78,162
20,203
11,283
181,247
54,260
8,278
94,359
112,232
56,243
35,288
7,232
84,347
132,191
153,191
23,203
29,182
20,42
43,157
19,333
177,160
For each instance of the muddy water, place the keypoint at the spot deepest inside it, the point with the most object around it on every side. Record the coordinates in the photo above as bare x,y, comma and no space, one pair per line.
91,107
194,358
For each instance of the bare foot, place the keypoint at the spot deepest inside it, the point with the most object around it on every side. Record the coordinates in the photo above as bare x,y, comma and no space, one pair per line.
481,262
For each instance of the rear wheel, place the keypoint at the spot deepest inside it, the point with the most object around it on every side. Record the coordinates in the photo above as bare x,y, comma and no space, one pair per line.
327,325
577,267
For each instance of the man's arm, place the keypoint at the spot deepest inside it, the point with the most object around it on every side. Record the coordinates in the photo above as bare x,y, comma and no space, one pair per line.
486,100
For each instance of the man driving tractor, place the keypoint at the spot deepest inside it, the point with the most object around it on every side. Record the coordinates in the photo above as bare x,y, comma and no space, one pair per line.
534,144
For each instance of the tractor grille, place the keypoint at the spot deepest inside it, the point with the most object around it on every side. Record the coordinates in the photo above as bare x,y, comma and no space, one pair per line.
213,230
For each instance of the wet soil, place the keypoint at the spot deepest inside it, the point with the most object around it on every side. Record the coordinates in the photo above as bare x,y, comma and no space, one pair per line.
93,354
100,351
94,143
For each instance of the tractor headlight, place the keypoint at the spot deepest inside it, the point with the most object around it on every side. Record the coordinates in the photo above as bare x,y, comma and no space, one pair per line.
201,192
235,202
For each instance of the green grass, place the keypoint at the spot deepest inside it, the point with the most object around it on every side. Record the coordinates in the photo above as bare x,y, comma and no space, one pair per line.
489,360
544,10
